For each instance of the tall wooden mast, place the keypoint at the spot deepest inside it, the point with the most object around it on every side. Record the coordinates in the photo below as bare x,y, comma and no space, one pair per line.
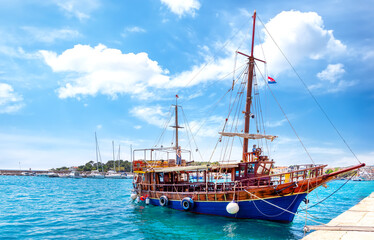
176,124
247,113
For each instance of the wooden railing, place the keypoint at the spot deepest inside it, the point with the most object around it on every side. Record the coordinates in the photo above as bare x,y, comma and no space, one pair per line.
263,181
287,177
253,156
189,187
141,165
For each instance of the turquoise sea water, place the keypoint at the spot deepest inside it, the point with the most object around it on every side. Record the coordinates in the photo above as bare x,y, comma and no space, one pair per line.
61,208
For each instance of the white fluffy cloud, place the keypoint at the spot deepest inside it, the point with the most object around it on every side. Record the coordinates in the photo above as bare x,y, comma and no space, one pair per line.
332,77
106,71
332,73
102,70
154,115
182,7
9,100
215,70
300,35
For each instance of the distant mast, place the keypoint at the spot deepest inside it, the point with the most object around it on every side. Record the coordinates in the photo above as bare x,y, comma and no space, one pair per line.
114,161
131,159
247,113
119,157
97,156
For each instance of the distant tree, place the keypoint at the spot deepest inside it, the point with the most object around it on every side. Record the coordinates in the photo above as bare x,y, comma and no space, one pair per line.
121,166
88,166
110,164
62,169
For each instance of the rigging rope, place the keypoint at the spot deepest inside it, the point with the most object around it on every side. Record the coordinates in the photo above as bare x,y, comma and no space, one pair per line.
274,205
166,123
260,125
214,56
266,74
214,106
285,115
230,109
330,194
189,128
311,94
236,117
213,83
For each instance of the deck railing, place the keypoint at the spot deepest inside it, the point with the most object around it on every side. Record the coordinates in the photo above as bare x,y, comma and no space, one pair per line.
293,176
264,181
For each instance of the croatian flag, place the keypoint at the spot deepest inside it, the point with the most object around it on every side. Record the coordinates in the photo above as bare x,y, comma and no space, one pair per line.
271,80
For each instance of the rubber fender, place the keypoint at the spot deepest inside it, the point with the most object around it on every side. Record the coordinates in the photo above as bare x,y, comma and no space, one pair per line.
187,203
164,201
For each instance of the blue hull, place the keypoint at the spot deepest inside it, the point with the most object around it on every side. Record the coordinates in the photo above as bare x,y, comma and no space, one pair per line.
252,209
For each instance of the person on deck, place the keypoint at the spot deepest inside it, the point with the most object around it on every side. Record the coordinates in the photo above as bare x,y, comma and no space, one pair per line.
179,157
254,150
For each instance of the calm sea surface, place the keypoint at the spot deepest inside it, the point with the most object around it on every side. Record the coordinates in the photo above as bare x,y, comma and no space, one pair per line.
59,208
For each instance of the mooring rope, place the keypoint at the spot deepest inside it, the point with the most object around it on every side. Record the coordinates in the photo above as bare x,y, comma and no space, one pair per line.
279,207
285,115
330,194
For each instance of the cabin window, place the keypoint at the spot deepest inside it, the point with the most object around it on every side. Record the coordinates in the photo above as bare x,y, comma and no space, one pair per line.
242,171
194,177
237,173
161,176
267,168
184,177
251,168
260,169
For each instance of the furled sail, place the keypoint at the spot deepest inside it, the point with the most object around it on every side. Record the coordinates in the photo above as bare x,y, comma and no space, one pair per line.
247,135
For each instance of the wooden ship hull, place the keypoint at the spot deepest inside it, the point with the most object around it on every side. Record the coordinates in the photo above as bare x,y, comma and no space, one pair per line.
249,209
273,197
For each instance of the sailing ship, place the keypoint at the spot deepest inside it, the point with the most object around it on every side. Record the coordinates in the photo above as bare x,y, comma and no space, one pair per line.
249,190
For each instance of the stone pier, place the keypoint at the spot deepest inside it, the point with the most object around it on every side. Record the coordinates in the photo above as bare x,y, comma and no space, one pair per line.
355,223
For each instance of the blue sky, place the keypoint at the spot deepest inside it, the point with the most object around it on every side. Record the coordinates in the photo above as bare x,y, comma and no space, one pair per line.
71,68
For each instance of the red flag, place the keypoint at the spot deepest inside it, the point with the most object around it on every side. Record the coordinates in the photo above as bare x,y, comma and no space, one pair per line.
271,80
176,96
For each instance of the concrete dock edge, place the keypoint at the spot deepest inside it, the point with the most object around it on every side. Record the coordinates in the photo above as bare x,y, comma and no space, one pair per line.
349,225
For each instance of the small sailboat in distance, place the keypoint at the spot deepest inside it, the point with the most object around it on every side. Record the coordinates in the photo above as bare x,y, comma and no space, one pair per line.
96,173
113,174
